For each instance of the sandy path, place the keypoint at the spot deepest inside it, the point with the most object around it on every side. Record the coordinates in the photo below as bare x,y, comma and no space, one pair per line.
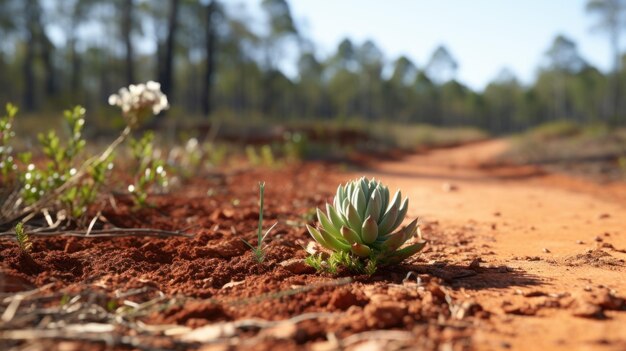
520,215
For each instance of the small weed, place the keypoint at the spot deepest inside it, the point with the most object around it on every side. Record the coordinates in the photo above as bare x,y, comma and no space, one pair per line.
267,156
23,241
112,305
253,157
622,163
295,147
341,259
65,299
259,250
310,214
150,171
315,261
7,164
263,157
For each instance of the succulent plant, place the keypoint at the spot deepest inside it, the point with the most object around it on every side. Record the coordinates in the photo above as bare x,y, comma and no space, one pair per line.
362,220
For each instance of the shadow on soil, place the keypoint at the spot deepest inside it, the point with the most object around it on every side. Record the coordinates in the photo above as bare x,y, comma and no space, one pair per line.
458,276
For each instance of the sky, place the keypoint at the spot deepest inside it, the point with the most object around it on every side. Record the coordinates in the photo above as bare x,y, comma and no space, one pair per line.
483,35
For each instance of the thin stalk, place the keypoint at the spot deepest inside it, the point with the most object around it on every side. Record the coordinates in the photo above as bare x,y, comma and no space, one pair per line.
43,202
260,231
259,250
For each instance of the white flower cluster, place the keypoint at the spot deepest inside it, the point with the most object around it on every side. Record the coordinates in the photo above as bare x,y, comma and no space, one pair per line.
138,100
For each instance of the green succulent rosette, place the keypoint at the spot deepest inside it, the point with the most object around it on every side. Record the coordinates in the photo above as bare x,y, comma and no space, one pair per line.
364,220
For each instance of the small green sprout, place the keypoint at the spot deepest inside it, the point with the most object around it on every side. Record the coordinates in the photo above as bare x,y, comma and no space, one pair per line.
259,250
150,171
263,157
253,157
23,241
315,261
267,156
341,259
7,164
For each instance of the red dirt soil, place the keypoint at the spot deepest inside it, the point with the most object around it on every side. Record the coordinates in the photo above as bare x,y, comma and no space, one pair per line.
517,259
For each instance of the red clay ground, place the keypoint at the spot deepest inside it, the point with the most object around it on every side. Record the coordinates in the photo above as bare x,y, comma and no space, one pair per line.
517,259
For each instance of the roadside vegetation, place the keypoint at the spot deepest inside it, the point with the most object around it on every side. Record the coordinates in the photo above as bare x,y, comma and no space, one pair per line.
595,151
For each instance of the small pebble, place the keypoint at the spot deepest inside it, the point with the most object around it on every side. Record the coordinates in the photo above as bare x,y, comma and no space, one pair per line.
580,242
545,250
448,187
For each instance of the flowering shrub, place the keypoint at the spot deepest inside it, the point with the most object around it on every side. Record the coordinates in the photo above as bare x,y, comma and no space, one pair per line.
150,172
68,181
7,164
140,101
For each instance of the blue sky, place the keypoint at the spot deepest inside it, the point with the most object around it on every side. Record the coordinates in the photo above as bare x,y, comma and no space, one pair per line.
483,35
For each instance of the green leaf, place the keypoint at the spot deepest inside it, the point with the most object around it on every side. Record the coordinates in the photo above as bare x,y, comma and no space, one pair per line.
354,220
315,234
335,243
407,252
389,218
334,217
369,231
373,206
350,235
364,184
327,224
384,192
398,238
401,214
360,250
359,202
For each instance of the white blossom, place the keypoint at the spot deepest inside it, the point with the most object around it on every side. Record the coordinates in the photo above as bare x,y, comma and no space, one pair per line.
139,100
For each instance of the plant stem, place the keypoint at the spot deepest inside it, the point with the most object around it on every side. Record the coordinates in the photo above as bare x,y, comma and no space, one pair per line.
39,205
260,232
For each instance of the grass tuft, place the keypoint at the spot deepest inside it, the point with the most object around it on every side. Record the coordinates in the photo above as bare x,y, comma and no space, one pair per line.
23,241
259,251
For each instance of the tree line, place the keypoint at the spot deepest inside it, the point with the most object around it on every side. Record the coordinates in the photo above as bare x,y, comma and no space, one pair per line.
212,59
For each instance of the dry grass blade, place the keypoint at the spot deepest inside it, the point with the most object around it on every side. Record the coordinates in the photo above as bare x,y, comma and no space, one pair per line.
108,233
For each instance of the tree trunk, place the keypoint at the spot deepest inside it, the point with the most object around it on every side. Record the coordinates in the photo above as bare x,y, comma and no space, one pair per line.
74,70
127,23
47,49
207,83
167,68
614,76
28,95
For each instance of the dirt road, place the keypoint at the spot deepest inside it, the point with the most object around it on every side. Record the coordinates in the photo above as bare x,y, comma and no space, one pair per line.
565,236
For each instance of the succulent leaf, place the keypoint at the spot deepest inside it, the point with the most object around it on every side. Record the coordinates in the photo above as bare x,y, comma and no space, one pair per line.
318,237
339,196
354,220
388,220
364,184
395,240
338,244
361,250
384,191
373,206
401,214
369,231
350,235
334,217
359,202
327,224
407,252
